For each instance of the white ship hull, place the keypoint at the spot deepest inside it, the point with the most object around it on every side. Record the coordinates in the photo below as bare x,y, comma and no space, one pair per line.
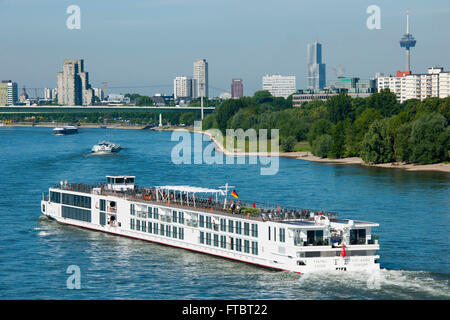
245,245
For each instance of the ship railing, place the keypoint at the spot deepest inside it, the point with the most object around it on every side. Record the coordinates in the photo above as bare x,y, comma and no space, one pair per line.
260,210
77,187
264,211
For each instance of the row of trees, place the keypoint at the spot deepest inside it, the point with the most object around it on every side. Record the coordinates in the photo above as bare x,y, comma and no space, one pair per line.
377,128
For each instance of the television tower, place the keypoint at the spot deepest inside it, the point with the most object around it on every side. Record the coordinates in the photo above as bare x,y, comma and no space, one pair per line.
407,42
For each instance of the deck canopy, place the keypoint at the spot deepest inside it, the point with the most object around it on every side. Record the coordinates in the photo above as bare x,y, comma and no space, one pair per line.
190,189
185,194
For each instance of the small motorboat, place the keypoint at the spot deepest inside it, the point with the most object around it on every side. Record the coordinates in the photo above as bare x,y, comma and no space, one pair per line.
106,147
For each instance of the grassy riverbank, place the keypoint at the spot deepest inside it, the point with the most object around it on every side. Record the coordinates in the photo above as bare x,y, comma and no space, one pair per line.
308,156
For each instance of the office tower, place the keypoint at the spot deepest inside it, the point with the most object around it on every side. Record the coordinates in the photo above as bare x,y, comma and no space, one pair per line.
73,84
201,77
184,87
48,94
8,93
279,86
316,69
237,88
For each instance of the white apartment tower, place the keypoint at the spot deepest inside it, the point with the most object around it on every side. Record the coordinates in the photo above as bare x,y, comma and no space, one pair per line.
48,94
184,87
279,86
201,77
435,83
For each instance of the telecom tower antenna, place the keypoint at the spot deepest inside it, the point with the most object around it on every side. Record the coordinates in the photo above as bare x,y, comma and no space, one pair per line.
407,42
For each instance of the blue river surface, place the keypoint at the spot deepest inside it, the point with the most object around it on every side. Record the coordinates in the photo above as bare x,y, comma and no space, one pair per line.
412,208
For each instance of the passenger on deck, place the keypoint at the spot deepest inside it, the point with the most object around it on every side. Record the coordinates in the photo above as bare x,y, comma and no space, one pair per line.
232,207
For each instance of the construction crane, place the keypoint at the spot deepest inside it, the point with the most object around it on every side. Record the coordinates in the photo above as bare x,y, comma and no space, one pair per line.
339,71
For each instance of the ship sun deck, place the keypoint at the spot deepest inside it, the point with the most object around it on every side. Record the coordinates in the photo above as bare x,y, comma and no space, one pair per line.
190,198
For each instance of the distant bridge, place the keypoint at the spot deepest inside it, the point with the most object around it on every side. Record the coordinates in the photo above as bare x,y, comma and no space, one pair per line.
102,109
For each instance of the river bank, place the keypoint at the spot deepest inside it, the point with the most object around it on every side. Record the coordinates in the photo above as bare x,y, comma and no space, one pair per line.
302,155
308,156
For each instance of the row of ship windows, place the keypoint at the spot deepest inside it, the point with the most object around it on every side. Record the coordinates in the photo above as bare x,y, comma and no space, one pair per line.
281,234
71,199
204,222
232,226
76,214
155,228
232,244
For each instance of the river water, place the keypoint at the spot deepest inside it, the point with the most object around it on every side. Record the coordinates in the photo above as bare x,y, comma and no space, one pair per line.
412,208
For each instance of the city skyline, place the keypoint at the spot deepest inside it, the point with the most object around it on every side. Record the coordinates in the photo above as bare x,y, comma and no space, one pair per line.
348,42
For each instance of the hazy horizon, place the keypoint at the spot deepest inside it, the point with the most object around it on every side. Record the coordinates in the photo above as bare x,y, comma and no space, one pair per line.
141,46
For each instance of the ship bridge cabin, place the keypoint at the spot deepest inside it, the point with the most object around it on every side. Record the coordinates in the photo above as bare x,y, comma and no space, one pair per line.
325,232
120,183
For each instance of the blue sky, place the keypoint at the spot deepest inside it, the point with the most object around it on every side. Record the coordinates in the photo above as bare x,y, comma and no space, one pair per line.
148,43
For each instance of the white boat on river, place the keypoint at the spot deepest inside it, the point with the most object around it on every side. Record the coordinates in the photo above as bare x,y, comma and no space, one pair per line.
106,147
204,220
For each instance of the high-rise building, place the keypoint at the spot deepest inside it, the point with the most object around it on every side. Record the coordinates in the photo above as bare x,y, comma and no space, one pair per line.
201,76
98,92
8,93
54,94
279,86
73,84
435,83
316,69
48,94
237,88
184,87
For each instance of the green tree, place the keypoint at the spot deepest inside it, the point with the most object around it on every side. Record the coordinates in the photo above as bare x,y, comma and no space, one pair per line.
188,118
340,107
209,122
262,96
227,109
338,141
322,145
144,101
133,96
378,143
362,124
402,146
288,144
318,128
444,108
430,139
385,102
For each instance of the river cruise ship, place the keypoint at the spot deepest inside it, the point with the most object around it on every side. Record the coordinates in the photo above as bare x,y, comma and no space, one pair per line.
61,131
211,221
